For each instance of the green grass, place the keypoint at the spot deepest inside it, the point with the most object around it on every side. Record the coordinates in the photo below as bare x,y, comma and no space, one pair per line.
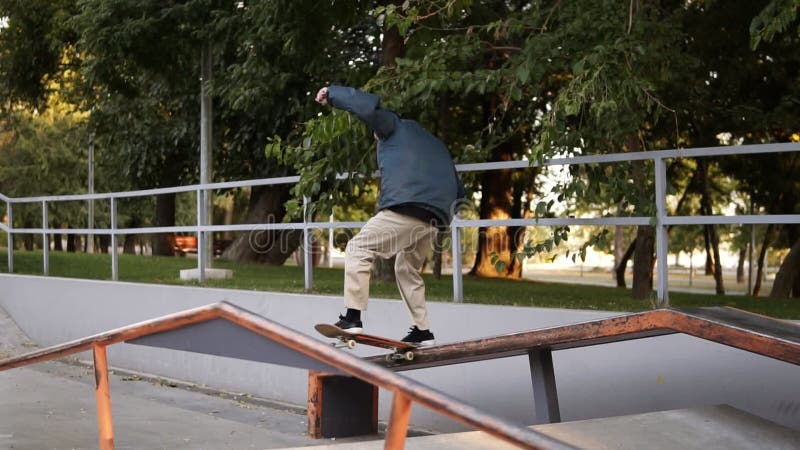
164,270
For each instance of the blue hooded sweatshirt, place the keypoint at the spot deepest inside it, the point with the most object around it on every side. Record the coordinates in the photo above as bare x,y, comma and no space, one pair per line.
416,168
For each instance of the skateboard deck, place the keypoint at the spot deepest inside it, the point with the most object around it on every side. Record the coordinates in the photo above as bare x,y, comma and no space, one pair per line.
400,350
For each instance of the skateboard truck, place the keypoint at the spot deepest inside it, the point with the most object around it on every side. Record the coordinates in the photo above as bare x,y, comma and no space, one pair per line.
344,343
401,351
407,355
398,355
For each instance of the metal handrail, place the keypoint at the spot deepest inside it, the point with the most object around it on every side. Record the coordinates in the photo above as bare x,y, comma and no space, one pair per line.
765,336
405,389
661,219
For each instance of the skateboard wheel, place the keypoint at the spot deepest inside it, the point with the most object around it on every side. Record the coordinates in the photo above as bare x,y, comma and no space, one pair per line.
409,355
351,343
389,358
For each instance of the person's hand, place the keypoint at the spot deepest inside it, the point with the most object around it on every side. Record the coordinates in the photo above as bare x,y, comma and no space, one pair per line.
322,96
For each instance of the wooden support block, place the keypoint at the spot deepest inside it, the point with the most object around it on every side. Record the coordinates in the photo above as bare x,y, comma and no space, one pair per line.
341,406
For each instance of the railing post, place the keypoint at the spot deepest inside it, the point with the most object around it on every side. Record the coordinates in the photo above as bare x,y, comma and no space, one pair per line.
545,394
330,243
114,254
662,238
105,424
398,422
45,241
455,250
10,236
201,242
308,261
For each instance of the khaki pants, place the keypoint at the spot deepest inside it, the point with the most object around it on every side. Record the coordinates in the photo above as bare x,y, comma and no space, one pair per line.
386,234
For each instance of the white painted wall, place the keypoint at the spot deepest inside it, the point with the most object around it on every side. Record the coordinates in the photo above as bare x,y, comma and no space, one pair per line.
659,373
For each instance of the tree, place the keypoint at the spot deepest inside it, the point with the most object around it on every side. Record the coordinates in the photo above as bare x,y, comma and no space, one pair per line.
42,154
264,97
32,48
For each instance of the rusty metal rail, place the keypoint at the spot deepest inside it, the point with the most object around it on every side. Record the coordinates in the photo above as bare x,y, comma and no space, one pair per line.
747,331
751,332
405,390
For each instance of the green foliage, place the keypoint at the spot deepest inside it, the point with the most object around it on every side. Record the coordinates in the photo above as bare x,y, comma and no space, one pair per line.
44,154
31,48
773,20
144,105
545,79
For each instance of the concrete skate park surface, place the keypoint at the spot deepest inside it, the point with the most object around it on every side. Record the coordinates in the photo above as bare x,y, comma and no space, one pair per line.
52,405
654,374
709,428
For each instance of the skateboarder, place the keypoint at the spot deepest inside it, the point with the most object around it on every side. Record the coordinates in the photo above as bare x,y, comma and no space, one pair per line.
418,192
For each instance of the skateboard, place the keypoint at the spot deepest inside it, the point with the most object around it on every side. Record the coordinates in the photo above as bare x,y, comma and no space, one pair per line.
400,350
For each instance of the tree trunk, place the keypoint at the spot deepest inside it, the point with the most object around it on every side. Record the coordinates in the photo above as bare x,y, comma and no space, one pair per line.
618,252
643,260
796,288
438,250
58,246
740,265
497,244
761,255
265,246
129,244
709,252
230,204
104,242
383,270
130,240
786,278
71,242
165,217
718,281
27,239
622,266
711,230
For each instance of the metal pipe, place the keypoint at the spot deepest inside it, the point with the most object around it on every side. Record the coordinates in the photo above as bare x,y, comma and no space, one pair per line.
662,236
398,422
10,237
590,159
201,248
206,153
90,238
455,251
330,244
114,254
105,423
308,261
45,240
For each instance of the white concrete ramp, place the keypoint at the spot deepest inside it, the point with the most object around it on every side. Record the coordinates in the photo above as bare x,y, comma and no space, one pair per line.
707,428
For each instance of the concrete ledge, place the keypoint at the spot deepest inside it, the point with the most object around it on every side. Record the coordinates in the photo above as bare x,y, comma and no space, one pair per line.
211,274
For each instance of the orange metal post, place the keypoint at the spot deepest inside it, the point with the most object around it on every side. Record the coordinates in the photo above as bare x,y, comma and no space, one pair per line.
104,422
314,411
398,422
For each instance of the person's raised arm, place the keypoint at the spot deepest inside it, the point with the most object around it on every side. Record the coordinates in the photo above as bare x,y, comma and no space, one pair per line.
363,105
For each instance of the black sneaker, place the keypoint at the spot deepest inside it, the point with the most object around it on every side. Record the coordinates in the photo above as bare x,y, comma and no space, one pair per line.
422,338
355,327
